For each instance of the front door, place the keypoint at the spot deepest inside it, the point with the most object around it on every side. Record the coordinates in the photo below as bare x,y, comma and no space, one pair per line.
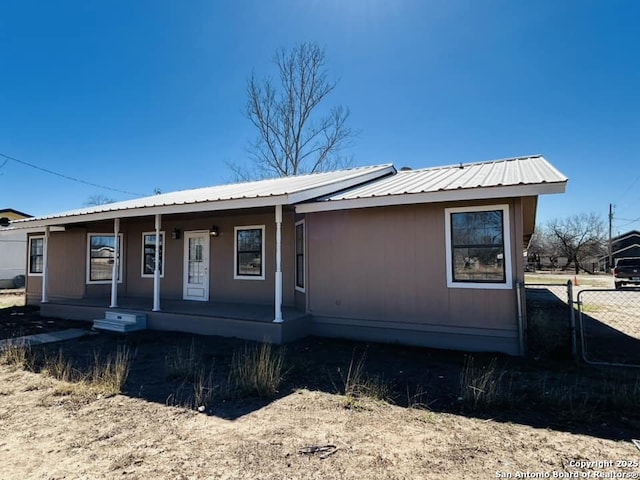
196,266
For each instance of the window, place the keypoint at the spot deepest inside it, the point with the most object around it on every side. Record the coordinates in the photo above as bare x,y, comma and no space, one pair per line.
249,252
101,255
149,254
478,247
300,256
36,255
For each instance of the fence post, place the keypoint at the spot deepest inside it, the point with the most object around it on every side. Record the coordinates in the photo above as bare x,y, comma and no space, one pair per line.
572,321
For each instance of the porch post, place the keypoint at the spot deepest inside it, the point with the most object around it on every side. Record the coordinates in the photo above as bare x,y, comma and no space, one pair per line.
45,268
156,272
278,289
116,266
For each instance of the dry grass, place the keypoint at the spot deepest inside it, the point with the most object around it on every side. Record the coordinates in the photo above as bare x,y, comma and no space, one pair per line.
257,370
183,362
8,300
106,376
357,384
483,387
17,354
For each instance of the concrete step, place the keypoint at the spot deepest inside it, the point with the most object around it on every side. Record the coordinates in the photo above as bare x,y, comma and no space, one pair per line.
118,321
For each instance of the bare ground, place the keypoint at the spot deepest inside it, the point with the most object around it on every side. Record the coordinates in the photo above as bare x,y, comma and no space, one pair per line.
47,435
545,414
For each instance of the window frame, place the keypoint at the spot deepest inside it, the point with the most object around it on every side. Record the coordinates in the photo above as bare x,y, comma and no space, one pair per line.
163,238
506,238
263,266
303,255
29,272
88,258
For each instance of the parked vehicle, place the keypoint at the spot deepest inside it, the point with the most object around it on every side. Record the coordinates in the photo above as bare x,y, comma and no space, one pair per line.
627,272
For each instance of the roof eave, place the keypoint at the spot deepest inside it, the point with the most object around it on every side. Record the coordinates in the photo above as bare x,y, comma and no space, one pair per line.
482,193
161,209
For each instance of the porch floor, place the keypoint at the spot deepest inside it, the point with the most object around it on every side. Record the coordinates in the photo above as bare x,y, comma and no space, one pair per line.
241,320
236,311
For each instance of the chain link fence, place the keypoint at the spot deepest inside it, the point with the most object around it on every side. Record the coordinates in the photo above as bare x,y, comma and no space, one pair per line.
609,326
550,323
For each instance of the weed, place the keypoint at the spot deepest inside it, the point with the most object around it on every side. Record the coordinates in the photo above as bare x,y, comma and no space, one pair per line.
356,383
17,354
256,370
481,387
183,363
60,368
203,388
110,374
418,399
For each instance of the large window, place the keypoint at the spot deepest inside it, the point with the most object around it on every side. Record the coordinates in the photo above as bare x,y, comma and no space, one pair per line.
478,247
149,254
101,255
36,255
300,278
249,252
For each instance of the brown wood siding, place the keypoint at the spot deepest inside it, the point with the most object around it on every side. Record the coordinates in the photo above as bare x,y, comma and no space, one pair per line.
388,265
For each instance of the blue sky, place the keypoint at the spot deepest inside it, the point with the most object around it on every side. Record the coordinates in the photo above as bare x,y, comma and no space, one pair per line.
150,94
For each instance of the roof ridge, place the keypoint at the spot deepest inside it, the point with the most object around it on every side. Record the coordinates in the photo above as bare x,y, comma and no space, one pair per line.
471,164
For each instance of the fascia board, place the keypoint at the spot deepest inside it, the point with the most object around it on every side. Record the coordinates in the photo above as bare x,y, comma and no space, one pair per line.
434,197
162,210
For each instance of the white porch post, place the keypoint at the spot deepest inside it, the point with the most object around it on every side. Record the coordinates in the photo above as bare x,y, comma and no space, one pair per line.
156,272
116,266
45,261
278,289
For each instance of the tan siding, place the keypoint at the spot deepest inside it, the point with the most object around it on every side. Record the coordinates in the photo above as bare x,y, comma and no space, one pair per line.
388,265
66,267
67,260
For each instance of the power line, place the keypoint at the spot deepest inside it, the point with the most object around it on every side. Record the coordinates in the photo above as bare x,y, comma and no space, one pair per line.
67,177
629,222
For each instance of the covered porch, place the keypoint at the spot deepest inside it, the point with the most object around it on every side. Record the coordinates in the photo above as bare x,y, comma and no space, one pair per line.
241,320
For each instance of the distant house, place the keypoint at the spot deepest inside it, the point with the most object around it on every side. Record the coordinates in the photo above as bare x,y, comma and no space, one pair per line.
623,246
429,257
13,251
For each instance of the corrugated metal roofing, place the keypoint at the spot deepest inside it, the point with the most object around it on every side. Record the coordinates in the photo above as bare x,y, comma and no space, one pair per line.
277,187
532,170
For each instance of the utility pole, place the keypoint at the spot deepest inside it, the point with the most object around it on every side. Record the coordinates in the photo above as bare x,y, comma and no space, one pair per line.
610,223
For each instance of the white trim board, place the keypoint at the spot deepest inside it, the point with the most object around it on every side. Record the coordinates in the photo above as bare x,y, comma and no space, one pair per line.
506,232
484,193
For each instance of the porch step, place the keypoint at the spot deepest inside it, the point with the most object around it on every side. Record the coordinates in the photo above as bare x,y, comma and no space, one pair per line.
119,321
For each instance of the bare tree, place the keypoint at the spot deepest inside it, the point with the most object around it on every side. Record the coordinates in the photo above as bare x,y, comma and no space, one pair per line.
293,136
579,238
95,200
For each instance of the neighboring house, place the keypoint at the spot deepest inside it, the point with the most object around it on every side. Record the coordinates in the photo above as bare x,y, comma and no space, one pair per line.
13,250
623,246
429,257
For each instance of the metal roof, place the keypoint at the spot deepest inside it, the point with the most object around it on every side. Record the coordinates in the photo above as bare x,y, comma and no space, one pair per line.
452,182
284,191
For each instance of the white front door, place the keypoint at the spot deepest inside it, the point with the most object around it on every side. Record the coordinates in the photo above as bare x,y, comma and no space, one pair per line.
196,266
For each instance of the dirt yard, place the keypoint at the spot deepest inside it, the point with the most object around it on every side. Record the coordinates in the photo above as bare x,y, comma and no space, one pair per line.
423,414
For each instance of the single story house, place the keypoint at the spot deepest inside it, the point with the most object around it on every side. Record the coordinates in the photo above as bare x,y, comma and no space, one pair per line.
429,257
12,250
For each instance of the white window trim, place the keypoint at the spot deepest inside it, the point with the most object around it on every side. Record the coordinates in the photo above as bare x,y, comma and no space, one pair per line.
508,272
29,254
304,256
235,253
88,258
164,238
